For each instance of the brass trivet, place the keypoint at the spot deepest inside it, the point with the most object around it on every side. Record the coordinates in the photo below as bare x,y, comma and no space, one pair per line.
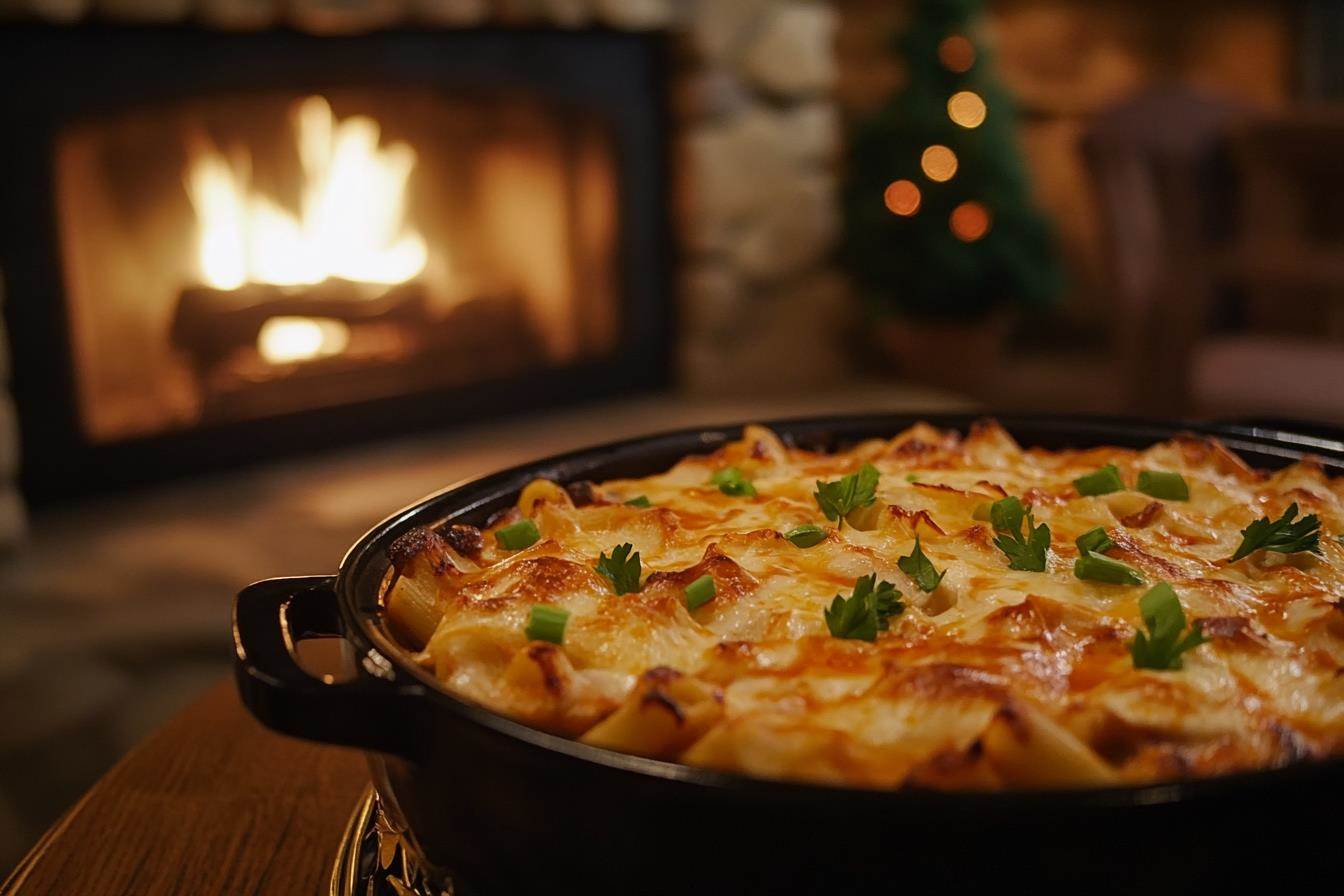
375,859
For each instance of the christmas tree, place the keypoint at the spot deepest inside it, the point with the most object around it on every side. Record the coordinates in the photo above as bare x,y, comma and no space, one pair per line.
938,218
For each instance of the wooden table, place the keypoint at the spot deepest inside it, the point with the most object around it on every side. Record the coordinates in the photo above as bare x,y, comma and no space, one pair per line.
212,803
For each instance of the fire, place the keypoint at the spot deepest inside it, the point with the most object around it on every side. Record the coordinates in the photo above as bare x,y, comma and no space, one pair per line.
287,339
351,222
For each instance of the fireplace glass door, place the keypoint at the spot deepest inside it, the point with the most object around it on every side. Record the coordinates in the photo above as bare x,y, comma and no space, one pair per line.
242,256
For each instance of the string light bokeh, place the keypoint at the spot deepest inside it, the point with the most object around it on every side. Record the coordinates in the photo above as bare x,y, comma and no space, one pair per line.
956,53
966,109
969,221
902,198
938,163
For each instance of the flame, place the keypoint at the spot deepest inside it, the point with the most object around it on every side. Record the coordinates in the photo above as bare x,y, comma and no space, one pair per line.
283,340
351,222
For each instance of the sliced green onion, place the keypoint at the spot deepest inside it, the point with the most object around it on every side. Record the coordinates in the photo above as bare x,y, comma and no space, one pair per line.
1100,482
981,511
1099,568
806,535
732,481
546,623
519,535
1169,486
700,592
1094,540
641,501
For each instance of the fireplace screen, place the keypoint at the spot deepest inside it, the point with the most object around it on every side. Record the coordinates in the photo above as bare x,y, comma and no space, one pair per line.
238,257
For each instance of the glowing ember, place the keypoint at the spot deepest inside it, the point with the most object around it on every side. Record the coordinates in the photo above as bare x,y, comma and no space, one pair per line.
351,223
284,340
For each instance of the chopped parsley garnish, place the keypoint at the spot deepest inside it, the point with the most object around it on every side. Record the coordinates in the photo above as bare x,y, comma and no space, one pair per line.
866,611
1100,482
640,501
621,568
807,535
1094,540
1100,568
1168,486
519,535
546,623
848,493
1025,549
732,481
918,567
1281,535
700,592
1161,647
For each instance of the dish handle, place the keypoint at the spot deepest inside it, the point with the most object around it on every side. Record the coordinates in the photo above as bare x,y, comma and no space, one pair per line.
370,711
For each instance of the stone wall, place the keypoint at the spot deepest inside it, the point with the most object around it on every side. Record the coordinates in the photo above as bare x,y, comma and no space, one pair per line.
757,134
761,308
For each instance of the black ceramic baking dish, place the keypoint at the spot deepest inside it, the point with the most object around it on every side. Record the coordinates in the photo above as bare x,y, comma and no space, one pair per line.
508,809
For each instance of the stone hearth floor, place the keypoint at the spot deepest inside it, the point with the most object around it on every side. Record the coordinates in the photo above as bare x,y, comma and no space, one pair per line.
116,612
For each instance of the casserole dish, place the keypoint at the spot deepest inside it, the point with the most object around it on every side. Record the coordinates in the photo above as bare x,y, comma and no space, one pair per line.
506,808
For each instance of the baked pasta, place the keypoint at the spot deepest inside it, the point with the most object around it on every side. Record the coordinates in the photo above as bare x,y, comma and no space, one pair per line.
931,610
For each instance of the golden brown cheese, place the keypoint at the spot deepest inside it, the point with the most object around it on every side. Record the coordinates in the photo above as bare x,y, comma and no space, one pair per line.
998,678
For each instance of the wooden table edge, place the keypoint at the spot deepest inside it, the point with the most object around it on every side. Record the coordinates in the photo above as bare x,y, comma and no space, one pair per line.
30,860
157,810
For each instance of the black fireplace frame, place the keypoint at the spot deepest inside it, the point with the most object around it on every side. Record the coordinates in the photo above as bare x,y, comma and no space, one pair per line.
65,74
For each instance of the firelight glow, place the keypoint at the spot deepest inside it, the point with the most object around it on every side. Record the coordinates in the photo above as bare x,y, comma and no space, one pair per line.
351,223
284,340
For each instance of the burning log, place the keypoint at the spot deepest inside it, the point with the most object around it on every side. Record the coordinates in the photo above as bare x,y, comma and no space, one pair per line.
223,334
211,326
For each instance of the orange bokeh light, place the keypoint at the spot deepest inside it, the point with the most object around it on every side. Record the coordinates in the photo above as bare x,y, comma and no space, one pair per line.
969,221
966,109
956,53
902,198
938,163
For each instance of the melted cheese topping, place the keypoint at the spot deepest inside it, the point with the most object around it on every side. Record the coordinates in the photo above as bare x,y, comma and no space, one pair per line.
998,678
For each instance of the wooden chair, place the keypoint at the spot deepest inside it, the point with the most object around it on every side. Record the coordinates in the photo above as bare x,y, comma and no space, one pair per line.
1285,259
1157,165
1211,214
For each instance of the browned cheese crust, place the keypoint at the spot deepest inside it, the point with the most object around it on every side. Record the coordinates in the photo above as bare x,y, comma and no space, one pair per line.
995,679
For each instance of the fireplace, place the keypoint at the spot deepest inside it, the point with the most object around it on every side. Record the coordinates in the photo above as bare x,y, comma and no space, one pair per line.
220,247
282,253
544,148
